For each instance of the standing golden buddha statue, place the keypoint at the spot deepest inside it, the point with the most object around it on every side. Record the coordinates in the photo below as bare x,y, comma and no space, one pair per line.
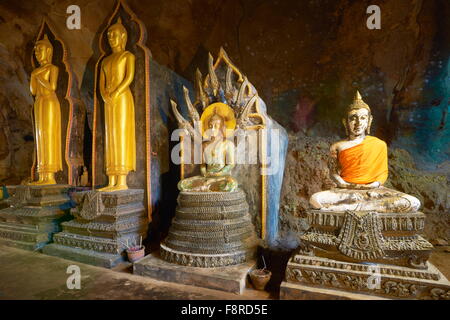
47,114
116,75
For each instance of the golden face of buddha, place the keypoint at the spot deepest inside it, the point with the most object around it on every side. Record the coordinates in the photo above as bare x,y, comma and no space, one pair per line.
218,120
358,121
117,36
216,126
43,53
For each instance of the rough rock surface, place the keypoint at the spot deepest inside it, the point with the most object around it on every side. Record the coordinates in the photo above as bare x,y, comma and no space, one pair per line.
432,189
306,58
16,134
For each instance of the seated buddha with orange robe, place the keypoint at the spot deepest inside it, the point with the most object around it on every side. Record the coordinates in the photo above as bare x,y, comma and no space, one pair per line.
362,170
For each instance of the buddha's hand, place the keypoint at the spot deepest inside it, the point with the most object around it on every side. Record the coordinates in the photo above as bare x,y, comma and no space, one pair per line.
372,185
341,183
213,174
214,168
114,95
106,95
38,77
38,71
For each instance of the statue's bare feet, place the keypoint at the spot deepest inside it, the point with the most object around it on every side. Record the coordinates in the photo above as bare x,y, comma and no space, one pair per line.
44,179
46,182
121,183
111,184
106,189
118,188
42,183
36,183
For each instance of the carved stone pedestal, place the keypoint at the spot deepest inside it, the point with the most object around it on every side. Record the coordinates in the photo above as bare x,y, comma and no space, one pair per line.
34,215
211,243
345,254
105,222
210,229
232,279
359,236
295,291
309,277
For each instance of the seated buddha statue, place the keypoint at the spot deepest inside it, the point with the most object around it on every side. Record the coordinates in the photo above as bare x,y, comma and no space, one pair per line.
362,169
218,152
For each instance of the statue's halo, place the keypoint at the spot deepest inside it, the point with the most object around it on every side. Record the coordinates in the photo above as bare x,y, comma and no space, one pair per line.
222,110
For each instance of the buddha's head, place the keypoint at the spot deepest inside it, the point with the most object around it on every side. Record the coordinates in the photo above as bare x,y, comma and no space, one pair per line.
359,118
43,50
217,120
117,35
216,126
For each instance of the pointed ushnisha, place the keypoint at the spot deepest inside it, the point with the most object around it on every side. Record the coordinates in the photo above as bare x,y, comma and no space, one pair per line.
45,41
358,103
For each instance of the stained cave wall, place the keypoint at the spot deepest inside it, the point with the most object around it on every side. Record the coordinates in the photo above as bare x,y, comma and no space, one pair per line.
306,58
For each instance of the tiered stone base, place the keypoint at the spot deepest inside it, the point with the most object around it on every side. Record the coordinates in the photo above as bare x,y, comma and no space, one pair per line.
348,254
229,279
211,243
34,215
210,229
386,238
103,227
309,277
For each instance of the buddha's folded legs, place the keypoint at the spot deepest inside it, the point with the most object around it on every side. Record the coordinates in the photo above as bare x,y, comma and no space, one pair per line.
380,200
226,184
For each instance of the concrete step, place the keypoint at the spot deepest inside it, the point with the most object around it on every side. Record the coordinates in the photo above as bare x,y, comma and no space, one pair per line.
23,234
30,246
91,257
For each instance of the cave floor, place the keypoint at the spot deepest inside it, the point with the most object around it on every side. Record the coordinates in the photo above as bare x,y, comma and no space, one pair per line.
35,276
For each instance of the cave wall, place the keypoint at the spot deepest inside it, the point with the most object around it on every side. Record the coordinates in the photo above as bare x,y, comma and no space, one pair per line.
306,58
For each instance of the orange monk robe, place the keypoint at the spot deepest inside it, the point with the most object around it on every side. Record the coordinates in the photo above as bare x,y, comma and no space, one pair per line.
365,163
